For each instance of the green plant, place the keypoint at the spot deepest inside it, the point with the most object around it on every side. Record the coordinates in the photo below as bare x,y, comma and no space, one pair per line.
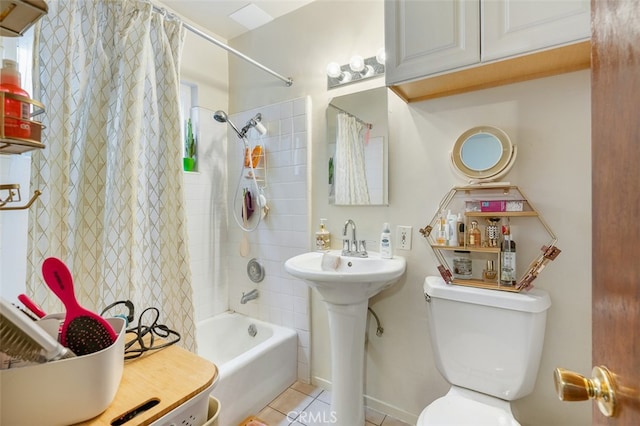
190,141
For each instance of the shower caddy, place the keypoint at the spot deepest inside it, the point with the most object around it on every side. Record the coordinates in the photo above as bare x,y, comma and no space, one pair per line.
17,18
483,202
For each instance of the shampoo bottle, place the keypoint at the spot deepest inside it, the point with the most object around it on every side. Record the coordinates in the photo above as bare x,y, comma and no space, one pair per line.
323,237
386,251
16,112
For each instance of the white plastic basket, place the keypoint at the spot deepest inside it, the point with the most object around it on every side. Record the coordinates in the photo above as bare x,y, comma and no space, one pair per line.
66,391
194,412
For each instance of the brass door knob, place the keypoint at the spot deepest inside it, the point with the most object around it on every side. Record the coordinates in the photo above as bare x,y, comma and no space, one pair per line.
572,386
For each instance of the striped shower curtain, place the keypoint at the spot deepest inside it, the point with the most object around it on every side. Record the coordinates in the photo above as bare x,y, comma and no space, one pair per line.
111,172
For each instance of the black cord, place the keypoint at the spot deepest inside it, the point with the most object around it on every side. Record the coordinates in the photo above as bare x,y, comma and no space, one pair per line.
128,304
155,329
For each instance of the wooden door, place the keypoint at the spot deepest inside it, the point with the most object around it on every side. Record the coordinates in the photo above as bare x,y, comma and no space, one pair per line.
616,200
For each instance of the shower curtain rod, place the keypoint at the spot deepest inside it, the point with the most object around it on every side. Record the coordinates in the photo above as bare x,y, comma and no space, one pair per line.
368,125
288,81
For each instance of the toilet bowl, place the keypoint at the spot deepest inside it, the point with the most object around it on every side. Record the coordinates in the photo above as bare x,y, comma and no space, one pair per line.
487,344
462,407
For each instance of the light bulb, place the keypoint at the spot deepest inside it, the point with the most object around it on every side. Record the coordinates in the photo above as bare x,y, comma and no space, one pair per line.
356,63
334,70
368,71
381,56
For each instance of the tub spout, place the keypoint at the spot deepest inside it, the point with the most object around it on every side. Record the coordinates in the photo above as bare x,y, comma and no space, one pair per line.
253,294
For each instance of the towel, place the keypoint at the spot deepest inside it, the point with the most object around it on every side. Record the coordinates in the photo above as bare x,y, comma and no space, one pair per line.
330,262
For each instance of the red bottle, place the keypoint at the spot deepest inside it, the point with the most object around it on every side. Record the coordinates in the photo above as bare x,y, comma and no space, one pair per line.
15,111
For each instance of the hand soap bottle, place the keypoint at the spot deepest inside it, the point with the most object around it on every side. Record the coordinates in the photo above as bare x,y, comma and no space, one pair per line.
386,250
323,237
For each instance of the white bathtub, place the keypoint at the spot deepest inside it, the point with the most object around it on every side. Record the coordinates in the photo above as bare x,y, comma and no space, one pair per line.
252,371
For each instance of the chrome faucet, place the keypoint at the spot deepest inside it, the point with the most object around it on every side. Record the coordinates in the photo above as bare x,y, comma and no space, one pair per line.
253,294
352,247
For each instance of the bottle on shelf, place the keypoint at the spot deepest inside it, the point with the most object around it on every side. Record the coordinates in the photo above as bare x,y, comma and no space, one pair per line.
441,230
462,265
507,258
15,111
493,232
475,236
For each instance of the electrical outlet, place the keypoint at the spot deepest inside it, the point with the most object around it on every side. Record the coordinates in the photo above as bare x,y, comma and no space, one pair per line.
403,237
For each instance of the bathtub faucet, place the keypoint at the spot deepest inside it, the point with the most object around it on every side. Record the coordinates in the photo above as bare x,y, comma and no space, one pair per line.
253,294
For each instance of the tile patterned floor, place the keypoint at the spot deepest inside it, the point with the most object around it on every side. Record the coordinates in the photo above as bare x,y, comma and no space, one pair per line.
306,405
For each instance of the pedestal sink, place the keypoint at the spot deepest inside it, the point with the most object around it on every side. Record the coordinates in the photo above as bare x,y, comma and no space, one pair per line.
346,284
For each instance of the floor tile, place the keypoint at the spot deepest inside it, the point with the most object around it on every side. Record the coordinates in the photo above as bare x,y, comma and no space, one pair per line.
291,400
303,404
390,421
307,389
273,417
325,396
318,413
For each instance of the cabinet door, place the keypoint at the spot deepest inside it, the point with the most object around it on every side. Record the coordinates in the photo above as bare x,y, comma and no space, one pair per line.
427,37
512,27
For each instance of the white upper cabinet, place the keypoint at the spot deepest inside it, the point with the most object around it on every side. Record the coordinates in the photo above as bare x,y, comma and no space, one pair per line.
513,27
427,37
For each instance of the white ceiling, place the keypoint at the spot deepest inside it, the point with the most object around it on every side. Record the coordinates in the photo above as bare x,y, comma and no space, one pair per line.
214,15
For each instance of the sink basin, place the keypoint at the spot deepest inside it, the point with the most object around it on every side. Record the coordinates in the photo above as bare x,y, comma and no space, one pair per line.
346,284
353,280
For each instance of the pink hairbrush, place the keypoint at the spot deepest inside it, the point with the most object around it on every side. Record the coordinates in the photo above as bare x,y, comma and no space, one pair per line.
82,331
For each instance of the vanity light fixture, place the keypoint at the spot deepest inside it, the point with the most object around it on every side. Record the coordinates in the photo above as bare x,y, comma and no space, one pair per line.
357,69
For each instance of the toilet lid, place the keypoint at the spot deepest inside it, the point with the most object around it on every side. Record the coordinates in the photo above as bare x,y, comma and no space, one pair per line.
454,410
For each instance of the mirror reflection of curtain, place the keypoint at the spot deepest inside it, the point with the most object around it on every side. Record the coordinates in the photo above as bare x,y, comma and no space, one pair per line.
350,176
111,172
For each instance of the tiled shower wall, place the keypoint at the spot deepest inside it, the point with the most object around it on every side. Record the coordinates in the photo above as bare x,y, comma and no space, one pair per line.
282,233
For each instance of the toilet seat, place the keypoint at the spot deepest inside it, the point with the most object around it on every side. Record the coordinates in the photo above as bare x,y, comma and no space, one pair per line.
463,407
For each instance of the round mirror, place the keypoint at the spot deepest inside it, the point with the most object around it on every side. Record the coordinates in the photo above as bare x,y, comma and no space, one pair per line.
483,153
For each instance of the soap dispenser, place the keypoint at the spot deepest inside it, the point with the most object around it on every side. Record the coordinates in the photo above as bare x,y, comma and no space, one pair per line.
323,237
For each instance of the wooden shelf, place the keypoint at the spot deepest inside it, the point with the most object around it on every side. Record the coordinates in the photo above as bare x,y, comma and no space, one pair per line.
502,214
471,249
559,60
485,284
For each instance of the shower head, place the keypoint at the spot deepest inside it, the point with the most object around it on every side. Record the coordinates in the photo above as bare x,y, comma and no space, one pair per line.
222,117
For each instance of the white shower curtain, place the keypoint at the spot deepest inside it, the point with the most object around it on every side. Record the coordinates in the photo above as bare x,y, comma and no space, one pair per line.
111,172
350,176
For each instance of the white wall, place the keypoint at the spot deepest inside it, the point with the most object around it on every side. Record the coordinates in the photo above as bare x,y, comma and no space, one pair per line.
549,120
282,233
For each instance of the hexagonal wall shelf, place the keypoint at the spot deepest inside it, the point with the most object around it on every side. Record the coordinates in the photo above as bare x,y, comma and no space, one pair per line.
494,209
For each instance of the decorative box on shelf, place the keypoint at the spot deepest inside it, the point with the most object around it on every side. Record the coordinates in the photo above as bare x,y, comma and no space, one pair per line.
472,221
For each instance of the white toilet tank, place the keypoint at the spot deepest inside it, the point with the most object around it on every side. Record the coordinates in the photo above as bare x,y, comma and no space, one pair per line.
488,341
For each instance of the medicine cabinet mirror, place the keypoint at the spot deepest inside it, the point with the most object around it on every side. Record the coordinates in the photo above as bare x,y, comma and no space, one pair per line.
358,170
483,153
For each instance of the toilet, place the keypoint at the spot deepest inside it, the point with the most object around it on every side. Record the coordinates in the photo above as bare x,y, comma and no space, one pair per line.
487,344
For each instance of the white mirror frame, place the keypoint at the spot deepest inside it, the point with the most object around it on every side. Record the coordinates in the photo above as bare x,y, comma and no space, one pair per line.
498,168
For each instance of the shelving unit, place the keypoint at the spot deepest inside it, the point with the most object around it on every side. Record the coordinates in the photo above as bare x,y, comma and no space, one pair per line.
260,167
473,202
12,145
